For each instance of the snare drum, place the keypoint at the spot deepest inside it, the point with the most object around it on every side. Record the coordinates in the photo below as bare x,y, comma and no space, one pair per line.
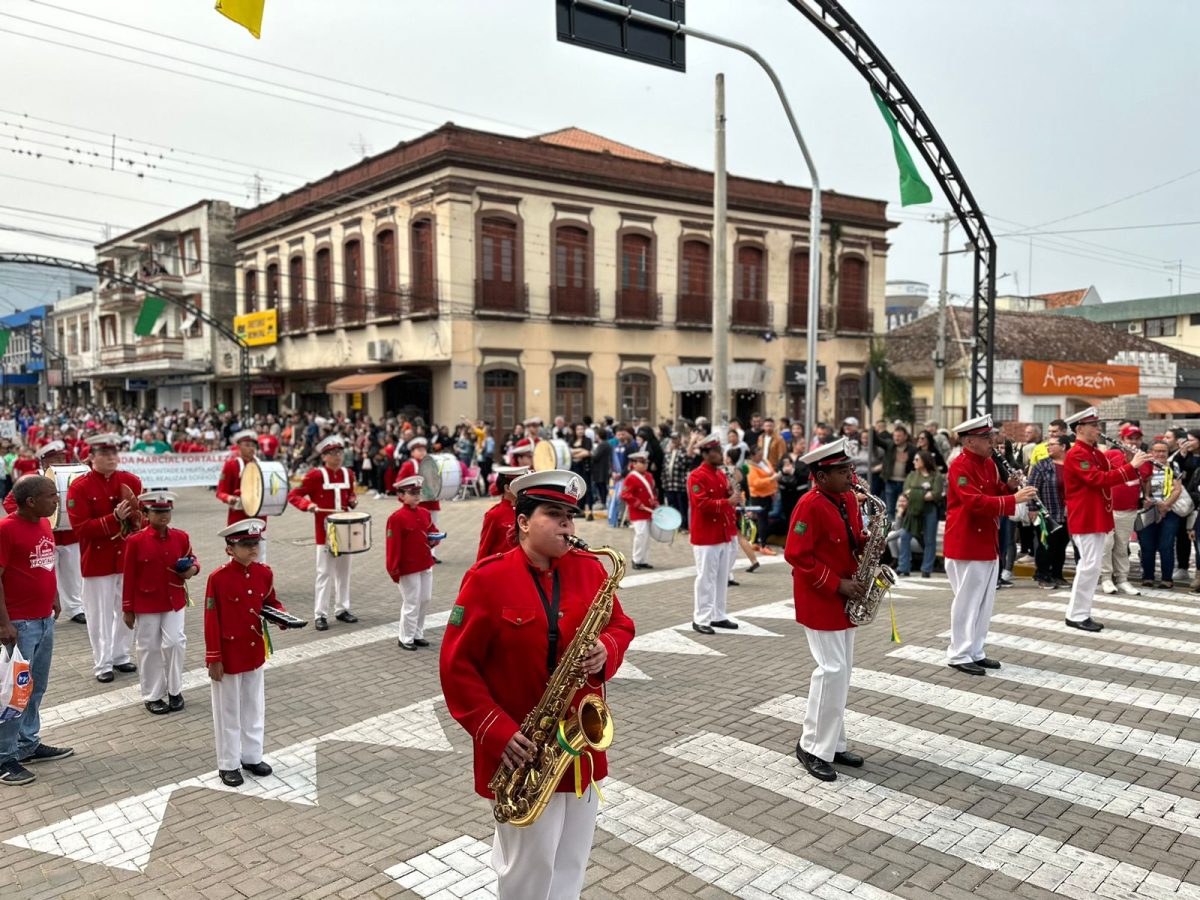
264,488
348,532
62,476
664,522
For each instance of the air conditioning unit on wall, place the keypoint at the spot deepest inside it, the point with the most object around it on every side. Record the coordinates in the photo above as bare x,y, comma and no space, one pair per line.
379,351
1135,327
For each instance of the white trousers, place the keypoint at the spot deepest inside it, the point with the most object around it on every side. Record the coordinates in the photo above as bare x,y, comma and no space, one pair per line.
434,515
547,860
732,549
641,541
712,571
160,647
416,590
1114,559
238,704
974,584
1087,575
825,717
333,580
109,637
69,578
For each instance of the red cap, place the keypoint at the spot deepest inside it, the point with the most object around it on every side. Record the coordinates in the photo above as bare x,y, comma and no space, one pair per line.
1128,431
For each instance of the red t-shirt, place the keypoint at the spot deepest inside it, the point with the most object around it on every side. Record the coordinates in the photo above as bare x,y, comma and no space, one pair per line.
22,466
27,558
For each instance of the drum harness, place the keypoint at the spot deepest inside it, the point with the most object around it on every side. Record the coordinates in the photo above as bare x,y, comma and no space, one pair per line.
344,484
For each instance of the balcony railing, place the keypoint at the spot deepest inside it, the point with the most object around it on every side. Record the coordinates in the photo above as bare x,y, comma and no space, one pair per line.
855,318
159,347
751,315
502,298
574,303
798,317
693,311
638,308
293,318
405,303
117,355
113,293
419,301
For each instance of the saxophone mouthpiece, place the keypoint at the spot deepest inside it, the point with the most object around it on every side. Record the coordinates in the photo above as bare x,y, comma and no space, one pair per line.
576,542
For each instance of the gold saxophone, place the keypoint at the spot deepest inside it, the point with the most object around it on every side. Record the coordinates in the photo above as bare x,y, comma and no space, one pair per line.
878,579
522,794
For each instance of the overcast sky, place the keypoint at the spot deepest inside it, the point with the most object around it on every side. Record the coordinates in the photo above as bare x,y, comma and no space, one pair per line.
1050,107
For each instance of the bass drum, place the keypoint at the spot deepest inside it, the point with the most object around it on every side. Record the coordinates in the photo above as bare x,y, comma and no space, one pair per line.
264,488
551,454
62,476
443,477
664,522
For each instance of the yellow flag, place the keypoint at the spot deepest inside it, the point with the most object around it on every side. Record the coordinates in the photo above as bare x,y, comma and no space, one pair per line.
247,13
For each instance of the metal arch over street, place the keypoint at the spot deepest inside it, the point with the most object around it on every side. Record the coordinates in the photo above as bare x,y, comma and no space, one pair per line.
225,331
836,24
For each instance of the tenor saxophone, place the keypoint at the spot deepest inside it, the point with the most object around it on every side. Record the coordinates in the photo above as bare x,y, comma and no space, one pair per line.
559,734
877,578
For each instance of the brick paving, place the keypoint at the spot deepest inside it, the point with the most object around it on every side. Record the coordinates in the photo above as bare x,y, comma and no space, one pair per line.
1073,773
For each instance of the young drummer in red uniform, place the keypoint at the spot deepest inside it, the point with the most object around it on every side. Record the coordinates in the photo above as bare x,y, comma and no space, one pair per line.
498,533
158,560
410,561
328,487
418,448
713,526
514,614
637,490
229,488
824,538
102,515
235,650
1089,478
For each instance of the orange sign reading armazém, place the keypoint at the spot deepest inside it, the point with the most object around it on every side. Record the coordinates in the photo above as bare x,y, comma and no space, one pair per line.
1087,379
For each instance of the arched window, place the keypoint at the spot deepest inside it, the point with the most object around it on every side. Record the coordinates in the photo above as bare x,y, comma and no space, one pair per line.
500,393
324,313
352,308
423,283
498,263
387,301
798,289
250,291
272,285
296,319
849,397
634,392
853,314
570,396
634,298
694,303
571,293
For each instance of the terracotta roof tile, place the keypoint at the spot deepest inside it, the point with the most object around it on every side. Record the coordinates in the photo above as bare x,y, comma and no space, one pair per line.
1059,299
578,139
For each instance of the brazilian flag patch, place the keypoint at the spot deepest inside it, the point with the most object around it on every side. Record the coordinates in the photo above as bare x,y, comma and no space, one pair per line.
210,603
456,615
801,527
695,488
389,532
962,480
70,504
1085,465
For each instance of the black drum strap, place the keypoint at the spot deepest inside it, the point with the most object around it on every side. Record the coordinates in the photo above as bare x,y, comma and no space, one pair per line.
551,608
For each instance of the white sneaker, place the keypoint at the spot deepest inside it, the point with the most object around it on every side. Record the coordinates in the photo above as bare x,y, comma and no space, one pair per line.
1006,575
1127,588
1108,587
1180,575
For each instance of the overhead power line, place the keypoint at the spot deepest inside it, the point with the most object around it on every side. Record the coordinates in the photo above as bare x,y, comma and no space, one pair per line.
1107,228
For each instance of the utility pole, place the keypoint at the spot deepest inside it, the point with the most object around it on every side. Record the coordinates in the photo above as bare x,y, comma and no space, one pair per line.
720,298
939,353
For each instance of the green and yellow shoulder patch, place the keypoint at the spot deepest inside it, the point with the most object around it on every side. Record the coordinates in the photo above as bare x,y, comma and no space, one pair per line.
1085,464
962,480
695,488
210,603
801,527
456,615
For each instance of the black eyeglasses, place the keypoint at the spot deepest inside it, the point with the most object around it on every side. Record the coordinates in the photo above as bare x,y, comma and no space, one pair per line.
410,490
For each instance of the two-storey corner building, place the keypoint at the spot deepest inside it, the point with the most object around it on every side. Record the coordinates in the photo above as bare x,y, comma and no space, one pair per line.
74,349
188,253
484,275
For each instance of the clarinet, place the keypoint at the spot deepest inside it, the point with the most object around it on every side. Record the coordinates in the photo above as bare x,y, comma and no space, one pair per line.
1007,472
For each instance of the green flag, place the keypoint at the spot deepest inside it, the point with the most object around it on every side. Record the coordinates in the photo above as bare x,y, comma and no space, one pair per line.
4,336
912,188
152,308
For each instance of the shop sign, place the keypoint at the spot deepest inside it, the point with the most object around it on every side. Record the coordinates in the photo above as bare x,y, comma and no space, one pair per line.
1079,379
257,328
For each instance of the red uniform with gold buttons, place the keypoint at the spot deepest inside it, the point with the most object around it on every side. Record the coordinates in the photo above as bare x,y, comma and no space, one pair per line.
324,488
494,656
976,498
821,553
233,602
712,530
230,486
1089,477
499,531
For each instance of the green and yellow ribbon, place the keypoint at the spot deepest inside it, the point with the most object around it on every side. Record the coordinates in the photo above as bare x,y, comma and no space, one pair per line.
331,538
268,647
895,637
577,755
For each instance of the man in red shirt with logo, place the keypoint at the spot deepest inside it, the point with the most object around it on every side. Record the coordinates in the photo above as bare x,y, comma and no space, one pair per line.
637,490
229,488
1126,502
268,443
498,533
713,526
410,536
28,609
824,537
1089,479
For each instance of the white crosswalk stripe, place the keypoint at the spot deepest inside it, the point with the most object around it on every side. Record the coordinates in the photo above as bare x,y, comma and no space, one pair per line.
1144,641
1181,608
1023,855
1110,795
1118,616
1108,691
1139,741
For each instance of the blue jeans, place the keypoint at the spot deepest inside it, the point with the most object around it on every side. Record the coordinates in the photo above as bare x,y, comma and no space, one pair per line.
19,737
1159,538
928,542
891,495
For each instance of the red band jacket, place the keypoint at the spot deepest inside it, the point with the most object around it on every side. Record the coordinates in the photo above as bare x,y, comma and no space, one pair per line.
324,488
233,600
408,533
711,519
637,490
1089,477
151,584
499,531
821,553
493,662
230,486
976,498
91,499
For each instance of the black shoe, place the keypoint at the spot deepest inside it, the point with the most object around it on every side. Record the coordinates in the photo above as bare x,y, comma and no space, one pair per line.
79,619
749,569
321,624
987,663
157,708
733,583
725,623
46,753
1086,625
847,758
346,616
703,629
970,668
175,702
421,642
905,574
642,566
12,773
127,668
816,766
1059,583
105,677
1003,583
231,777
926,574
439,561
259,769
405,646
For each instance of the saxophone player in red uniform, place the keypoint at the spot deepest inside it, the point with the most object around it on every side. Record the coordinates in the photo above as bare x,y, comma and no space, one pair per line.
824,538
514,615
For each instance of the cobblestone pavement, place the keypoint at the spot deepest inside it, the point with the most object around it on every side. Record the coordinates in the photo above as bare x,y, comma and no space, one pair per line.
1073,770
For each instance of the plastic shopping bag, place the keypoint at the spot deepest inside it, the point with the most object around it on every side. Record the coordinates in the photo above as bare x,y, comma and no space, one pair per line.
16,683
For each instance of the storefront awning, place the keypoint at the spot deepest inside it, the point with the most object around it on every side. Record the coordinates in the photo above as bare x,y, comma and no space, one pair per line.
355,384
1166,406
